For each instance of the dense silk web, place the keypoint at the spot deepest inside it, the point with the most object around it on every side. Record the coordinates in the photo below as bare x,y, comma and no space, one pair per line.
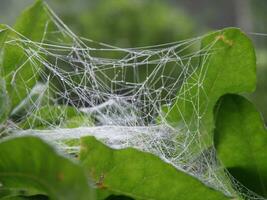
116,94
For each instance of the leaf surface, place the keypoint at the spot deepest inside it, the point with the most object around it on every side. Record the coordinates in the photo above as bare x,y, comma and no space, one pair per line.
139,175
20,70
27,163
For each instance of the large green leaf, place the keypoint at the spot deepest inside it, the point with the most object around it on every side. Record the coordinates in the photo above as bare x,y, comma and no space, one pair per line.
241,142
227,66
139,175
20,71
29,164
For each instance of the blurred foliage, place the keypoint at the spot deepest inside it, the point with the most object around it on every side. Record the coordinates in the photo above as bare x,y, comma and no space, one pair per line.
131,23
259,15
259,97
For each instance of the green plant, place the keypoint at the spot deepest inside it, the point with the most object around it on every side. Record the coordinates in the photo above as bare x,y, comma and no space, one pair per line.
190,140
130,23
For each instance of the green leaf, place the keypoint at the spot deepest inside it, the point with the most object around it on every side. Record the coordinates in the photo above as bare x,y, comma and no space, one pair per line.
20,72
139,175
33,21
29,164
49,116
241,142
80,120
227,66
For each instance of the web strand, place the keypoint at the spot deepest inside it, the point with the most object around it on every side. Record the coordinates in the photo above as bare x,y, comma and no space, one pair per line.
116,95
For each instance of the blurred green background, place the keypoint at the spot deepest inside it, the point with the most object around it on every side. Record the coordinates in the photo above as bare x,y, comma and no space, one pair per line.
131,23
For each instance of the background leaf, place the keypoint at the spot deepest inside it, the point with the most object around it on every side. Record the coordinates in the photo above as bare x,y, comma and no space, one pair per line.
139,175
20,72
29,164
241,142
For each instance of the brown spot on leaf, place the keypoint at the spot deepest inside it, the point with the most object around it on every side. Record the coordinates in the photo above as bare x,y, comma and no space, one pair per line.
225,40
100,182
60,176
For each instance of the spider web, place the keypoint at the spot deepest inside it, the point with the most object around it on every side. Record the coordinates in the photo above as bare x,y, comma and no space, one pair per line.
84,87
